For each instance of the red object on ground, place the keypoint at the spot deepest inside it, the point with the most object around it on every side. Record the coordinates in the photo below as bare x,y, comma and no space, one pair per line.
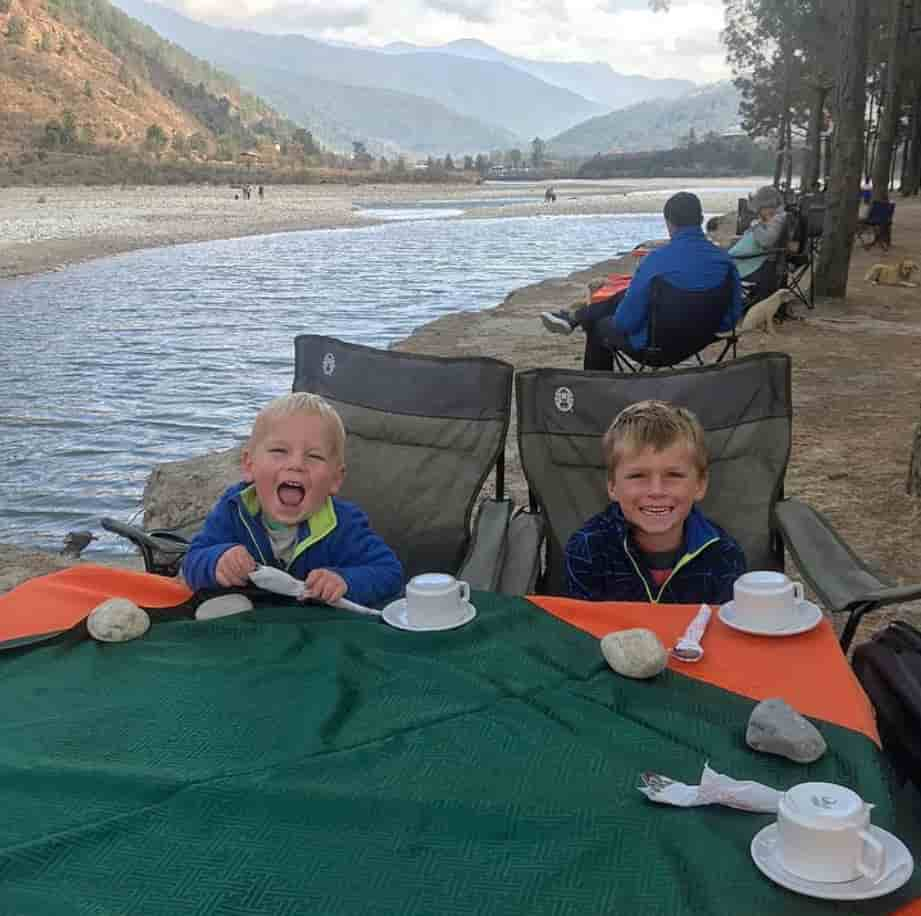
615,284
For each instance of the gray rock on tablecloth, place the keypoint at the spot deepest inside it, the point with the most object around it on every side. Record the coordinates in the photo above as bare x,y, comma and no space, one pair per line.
775,727
117,620
634,653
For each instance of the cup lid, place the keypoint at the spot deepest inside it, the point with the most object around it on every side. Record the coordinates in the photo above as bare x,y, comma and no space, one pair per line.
432,580
823,803
763,579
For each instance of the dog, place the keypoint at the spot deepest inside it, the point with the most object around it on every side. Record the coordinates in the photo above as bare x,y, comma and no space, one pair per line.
892,275
761,315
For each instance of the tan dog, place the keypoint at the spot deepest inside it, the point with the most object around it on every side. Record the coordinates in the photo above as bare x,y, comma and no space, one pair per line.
761,315
892,275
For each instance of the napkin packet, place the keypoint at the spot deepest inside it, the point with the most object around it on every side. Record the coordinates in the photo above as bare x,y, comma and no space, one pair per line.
714,789
281,583
278,581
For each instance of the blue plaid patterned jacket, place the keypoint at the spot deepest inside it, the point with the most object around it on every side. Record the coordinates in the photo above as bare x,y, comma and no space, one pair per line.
603,563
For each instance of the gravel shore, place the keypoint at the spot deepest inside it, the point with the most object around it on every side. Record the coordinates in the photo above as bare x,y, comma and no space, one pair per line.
49,228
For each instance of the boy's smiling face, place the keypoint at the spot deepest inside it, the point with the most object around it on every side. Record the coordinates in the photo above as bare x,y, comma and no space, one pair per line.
294,466
656,491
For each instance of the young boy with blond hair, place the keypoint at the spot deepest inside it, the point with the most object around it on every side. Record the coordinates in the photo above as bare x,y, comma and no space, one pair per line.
285,513
652,543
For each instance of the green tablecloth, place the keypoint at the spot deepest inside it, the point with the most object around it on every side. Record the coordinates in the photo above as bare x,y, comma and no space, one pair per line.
305,760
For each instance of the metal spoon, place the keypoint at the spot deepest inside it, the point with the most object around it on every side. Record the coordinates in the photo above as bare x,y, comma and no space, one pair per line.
688,648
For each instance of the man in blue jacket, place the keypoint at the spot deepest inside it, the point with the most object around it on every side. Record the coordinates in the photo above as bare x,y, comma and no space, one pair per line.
688,262
285,513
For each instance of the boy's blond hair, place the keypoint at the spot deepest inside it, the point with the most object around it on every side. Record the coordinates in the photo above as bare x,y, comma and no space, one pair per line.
657,424
306,403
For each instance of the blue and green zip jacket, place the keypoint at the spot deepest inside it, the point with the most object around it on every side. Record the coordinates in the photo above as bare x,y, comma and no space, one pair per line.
336,537
603,563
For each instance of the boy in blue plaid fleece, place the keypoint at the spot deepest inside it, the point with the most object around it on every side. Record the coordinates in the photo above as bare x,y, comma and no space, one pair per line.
652,543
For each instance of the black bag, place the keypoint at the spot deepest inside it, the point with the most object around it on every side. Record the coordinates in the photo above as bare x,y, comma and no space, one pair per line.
889,668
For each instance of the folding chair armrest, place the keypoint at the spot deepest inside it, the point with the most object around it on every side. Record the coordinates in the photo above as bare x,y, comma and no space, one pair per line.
836,574
482,566
170,548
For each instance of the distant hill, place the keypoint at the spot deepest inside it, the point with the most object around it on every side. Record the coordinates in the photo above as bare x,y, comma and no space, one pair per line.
657,124
492,94
83,75
597,81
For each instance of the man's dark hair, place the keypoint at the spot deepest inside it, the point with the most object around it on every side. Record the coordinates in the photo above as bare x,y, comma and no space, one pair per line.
684,209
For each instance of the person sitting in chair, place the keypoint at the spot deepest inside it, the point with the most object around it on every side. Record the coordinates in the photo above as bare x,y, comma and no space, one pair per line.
752,251
688,262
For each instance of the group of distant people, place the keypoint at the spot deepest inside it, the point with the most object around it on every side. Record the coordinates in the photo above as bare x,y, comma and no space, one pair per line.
247,192
689,262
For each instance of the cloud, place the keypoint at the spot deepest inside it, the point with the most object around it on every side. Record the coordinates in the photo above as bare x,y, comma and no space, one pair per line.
683,42
272,17
480,11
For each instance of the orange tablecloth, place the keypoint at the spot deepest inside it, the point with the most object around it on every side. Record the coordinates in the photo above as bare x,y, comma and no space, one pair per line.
809,671
60,600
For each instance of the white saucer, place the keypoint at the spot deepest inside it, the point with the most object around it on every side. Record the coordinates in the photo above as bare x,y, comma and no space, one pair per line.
899,868
395,615
808,615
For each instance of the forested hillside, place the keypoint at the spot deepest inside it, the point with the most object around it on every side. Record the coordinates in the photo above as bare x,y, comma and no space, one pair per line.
656,124
81,75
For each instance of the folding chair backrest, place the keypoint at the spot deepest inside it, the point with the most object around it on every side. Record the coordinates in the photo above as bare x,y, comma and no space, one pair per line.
683,322
744,406
424,432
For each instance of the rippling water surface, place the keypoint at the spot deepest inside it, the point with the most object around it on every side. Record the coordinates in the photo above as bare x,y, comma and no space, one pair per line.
113,366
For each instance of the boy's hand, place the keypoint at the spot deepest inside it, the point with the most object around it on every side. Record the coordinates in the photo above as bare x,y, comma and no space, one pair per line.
234,566
325,585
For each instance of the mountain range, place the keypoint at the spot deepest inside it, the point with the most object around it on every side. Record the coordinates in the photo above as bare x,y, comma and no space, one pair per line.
120,70
596,81
462,97
654,124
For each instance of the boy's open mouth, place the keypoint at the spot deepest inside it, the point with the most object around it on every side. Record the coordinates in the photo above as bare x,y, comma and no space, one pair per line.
291,493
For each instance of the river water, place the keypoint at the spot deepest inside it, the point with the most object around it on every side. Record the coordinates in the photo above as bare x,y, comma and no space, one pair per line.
113,366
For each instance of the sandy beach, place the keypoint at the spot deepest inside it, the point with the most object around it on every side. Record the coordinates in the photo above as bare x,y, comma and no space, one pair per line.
49,228
857,365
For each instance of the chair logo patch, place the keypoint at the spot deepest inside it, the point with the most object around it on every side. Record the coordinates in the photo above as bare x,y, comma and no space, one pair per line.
564,399
329,364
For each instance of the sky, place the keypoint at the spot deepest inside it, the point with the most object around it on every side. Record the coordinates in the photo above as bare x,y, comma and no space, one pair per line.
683,42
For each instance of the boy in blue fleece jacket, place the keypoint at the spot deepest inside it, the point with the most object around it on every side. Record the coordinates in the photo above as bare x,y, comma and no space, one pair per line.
285,513
652,543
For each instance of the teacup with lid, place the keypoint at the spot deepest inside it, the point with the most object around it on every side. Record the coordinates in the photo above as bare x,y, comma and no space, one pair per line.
823,834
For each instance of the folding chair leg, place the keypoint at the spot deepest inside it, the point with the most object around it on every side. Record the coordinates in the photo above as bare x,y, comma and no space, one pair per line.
853,621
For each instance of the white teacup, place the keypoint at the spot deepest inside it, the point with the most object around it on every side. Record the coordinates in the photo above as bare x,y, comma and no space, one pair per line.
433,598
823,834
766,599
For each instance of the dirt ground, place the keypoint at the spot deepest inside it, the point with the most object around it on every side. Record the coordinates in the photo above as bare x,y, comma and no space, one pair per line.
856,396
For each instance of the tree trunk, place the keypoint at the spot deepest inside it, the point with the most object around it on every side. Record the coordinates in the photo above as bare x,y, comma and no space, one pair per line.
812,161
899,19
912,177
914,464
847,152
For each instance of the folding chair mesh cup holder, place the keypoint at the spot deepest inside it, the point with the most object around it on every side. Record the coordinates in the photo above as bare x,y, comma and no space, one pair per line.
876,229
424,434
672,337
745,406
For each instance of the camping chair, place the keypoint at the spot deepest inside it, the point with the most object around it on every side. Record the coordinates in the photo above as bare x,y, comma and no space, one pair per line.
876,229
774,275
808,219
745,407
424,433
682,323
